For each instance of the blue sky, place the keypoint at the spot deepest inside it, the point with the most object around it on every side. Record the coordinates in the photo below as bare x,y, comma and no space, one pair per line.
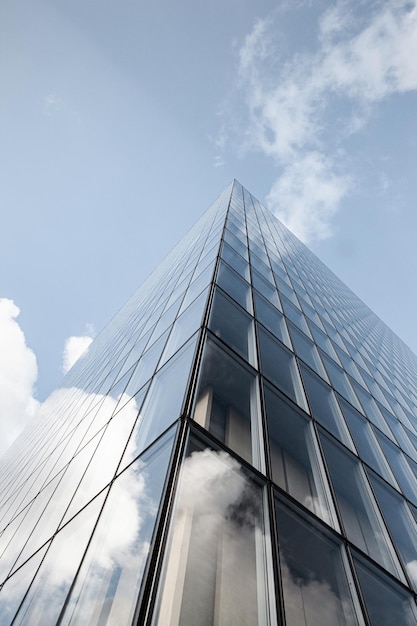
121,122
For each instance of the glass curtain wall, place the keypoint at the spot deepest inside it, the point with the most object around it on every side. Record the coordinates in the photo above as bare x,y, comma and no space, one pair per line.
238,446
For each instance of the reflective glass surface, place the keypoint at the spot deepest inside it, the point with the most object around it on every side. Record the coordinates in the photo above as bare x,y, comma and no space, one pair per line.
215,567
386,602
227,403
316,582
243,338
119,548
278,364
232,325
360,515
295,459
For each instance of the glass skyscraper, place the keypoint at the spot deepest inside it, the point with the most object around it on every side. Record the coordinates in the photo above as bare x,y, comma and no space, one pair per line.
237,447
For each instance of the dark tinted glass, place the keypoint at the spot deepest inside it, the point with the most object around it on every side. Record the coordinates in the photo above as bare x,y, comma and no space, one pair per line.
387,603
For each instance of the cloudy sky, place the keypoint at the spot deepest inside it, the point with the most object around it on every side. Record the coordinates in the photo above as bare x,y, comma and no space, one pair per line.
122,121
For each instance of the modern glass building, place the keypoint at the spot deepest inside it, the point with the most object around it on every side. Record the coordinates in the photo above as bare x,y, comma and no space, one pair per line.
237,447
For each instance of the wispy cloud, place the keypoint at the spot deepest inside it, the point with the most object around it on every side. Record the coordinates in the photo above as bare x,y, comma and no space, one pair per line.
18,375
19,372
52,102
302,106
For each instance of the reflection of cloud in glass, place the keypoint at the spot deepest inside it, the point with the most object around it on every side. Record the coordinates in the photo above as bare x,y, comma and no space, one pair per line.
318,590
311,602
94,465
109,580
215,564
411,568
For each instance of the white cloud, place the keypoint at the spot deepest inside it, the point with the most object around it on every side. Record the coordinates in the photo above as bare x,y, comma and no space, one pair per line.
18,374
302,106
307,195
73,349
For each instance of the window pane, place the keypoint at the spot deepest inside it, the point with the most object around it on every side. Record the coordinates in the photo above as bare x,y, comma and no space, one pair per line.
363,525
306,350
235,260
234,285
238,243
295,315
340,381
386,602
216,568
366,442
146,366
53,580
232,325
371,410
227,404
163,403
401,470
184,327
324,405
14,589
295,460
119,548
265,288
278,364
401,525
316,583
271,318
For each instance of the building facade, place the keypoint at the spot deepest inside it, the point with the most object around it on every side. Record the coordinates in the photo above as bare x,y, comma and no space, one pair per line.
237,447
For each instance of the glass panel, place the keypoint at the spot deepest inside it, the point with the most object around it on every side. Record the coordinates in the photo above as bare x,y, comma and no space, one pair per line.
371,410
294,315
119,549
295,460
340,381
366,442
262,267
146,367
386,602
234,285
265,288
49,590
163,403
106,458
360,516
324,405
316,582
401,470
322,340
278,364
307,351
271,318
184,326
236,243
217,563
400,524
232,325
400,433
227,403
235,260
198,283
14,589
